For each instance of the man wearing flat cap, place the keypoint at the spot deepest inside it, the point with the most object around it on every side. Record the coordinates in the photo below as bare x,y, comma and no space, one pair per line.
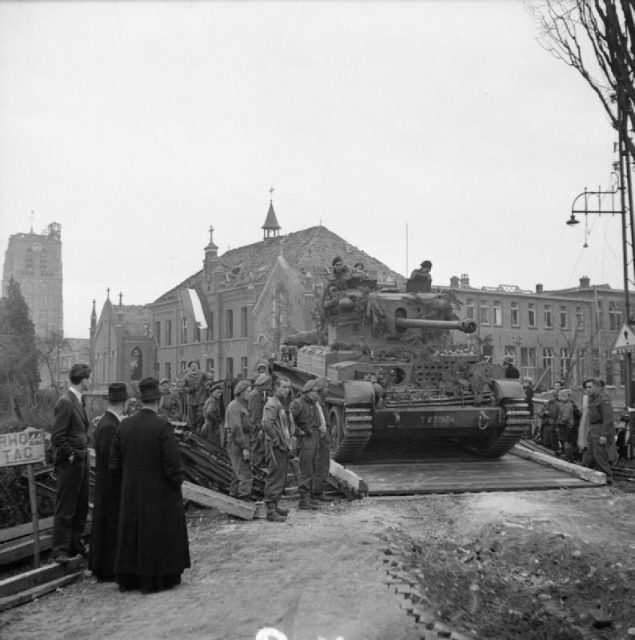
309,425
103,538
239,430
152,545
69,437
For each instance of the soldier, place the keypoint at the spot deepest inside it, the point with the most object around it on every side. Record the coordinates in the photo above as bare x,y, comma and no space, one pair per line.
256,404
169,405
323,455
275,424
421,278
194,385
306,417
510,369
239,442
601,431
213,416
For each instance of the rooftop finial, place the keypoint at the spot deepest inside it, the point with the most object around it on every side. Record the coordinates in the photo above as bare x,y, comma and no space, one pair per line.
271,190
107,293
120,299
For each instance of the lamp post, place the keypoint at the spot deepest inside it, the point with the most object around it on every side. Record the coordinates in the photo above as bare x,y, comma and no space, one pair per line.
592,204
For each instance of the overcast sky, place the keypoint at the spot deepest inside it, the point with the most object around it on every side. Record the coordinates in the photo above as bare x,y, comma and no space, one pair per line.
137,126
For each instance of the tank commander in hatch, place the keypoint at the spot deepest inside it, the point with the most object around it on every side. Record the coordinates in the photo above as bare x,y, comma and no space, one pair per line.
421,277
341,273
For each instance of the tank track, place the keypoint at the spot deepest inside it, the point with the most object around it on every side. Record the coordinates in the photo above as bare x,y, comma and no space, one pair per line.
517,426
357,429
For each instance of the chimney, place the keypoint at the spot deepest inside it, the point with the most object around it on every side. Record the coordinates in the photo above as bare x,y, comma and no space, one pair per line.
454,282
585,282
465,280
539,288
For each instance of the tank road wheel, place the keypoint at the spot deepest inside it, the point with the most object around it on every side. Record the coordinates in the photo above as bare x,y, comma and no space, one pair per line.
336,429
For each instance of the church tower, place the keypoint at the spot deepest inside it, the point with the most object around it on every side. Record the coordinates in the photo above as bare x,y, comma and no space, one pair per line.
34,260
271,228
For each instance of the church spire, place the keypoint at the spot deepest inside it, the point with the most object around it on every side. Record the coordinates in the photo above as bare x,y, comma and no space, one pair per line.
271,228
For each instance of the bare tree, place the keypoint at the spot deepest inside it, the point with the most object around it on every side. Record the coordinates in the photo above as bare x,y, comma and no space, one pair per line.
597,39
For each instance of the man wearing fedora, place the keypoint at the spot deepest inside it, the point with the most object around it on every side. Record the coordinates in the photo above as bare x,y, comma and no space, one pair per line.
152,544
103,540
69,438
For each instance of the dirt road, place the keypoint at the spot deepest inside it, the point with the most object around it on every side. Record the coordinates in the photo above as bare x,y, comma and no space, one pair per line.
552,564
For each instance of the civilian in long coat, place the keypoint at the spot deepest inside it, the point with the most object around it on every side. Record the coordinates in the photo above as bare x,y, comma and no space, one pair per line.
103,539
152,545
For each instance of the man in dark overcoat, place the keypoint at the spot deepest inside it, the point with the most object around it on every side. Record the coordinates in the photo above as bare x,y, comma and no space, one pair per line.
103,539
69,438
152,544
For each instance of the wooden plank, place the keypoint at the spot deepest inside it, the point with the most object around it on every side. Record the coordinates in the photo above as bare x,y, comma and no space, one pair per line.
596,477
346,480
23,548
220,501
11,533
36,577
450,476
34,593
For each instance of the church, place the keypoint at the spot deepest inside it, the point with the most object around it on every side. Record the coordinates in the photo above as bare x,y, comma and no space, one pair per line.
240,306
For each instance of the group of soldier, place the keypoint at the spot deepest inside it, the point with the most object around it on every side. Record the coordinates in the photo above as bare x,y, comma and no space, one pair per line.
587,436
266,431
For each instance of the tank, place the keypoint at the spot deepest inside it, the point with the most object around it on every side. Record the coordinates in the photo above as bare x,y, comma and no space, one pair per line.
395,375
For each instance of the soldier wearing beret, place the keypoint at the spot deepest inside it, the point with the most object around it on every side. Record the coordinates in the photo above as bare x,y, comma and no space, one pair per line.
323,454
256,404
69,437
309,425
238,427
103,539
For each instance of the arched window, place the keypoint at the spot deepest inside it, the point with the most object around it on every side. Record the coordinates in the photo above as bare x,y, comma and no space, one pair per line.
136,363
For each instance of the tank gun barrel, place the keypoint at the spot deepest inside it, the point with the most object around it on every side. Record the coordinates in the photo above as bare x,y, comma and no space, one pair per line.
466,326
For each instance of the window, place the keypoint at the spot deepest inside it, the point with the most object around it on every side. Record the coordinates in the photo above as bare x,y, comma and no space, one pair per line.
564,317
510,350
547,358
209,366
183,366
498,312
243,367
168,332
531,314
548,318
243,322
528,357
229,324
608,371
483,312
469,309
579,318
157,333
565,361
168,370
197,332
43,261
183,330
615,317
229,368
515,314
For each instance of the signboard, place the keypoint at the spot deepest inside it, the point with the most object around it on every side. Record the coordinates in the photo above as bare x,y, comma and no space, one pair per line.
22,447
625,340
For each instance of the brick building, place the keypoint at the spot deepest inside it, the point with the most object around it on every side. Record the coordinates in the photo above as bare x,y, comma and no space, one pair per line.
561,334
240,306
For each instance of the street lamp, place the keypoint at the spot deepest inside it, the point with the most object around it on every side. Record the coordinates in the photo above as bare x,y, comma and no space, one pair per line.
586,207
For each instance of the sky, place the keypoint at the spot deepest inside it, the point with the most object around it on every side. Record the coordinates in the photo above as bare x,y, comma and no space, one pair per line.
414,130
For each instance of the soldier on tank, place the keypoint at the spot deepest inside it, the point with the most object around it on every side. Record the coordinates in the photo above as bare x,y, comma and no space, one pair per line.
420,279
308,429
